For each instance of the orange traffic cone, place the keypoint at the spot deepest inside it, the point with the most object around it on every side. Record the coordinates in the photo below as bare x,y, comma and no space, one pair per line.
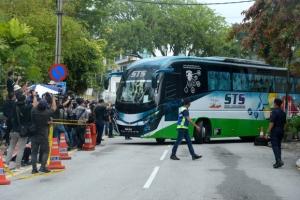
261,134
88,145
55,162
63,150
3,180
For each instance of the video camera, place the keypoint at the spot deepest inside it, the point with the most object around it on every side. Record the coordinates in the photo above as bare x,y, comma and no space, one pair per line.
61,96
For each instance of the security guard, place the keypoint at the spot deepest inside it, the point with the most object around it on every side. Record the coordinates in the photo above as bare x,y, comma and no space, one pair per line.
277,126
183,132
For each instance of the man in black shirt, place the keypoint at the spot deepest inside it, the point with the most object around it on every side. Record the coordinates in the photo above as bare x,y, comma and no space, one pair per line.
10,83
7,113
111,116
21,111
277,126
99,115
41,118
59,114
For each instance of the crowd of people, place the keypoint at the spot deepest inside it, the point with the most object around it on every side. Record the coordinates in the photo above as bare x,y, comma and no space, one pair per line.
24,106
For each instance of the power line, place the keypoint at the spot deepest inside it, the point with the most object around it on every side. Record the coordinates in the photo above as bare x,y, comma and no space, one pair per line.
188,4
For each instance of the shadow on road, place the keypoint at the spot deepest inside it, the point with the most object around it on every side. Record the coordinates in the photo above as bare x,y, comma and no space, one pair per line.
152,142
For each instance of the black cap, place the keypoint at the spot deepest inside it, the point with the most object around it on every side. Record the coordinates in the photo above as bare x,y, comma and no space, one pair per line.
101,101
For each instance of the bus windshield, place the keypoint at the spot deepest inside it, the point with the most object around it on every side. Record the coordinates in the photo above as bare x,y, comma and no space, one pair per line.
136,89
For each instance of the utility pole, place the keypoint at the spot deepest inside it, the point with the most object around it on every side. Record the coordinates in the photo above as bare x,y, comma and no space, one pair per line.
59,14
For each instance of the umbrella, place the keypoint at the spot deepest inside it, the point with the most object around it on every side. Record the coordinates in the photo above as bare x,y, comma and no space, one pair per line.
42,89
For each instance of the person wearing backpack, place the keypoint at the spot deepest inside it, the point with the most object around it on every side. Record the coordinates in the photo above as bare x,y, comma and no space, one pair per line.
82,115
60,114
21,116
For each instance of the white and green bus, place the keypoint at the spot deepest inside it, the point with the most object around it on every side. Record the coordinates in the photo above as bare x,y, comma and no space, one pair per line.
230,97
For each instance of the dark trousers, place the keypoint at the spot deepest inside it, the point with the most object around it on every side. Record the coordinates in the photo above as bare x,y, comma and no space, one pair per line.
99,127
183,133
110,130
39,140
79,131
7,130
276,138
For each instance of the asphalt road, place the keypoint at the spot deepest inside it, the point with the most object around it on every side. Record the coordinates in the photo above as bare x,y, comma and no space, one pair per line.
141,169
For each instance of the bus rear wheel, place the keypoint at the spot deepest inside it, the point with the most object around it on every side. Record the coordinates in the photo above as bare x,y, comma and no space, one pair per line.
199,135
160,140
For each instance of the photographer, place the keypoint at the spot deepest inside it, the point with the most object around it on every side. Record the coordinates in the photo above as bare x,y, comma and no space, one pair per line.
10,83
41,118
21,116
82,115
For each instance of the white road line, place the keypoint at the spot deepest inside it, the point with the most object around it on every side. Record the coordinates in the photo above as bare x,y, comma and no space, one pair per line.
152,176
164,155
169,145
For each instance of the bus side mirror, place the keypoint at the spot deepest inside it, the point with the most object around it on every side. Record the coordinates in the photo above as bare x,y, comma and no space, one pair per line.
154,75
154,80
106,81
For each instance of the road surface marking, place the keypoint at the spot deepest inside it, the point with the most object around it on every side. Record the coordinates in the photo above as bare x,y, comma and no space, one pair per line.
169,145
152,176
164,155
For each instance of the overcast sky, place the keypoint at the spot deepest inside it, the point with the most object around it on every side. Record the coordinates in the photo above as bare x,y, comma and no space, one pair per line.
232,12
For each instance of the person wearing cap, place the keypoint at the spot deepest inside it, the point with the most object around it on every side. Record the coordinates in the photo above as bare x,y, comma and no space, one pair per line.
21,90
41,116
83,116
21,111
10,83
277,126
52,83
99,115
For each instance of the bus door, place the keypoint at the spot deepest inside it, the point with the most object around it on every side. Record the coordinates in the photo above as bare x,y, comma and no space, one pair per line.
171,97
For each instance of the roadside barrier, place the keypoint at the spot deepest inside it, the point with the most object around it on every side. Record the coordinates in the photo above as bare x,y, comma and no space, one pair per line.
94,133
88,145
3,180
56,152
63,150
55,162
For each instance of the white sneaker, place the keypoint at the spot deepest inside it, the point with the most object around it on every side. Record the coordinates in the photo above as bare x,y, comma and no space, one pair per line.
102,144
18,169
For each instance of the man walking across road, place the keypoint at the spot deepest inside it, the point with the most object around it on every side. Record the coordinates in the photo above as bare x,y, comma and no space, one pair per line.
182,128
277,126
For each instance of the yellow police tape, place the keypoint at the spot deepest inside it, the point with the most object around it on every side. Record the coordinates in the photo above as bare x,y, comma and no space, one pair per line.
66,122
50,145
33,175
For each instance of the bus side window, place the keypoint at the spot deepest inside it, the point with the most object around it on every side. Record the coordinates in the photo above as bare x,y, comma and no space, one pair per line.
280,82
297,81
292,85
218,80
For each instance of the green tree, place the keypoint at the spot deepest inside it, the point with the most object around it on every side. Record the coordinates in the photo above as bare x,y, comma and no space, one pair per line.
195,30
273,27
19,46
81,53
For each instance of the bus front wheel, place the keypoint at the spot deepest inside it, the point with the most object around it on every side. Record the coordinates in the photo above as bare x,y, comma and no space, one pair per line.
199,135
160,140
